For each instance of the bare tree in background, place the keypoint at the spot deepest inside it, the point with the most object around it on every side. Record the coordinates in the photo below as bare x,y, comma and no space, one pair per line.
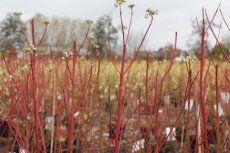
60,34
226,42
194,42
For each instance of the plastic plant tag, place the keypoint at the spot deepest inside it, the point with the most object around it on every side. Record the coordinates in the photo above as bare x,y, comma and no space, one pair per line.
225,96
138,145
220,110
76,114
187,105
170,133
49,120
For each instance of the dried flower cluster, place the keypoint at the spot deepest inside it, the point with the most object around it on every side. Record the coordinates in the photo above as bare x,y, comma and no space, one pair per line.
119,2
45,21
17,13
89,22
30,48
68,53
190,58
131,6
151,12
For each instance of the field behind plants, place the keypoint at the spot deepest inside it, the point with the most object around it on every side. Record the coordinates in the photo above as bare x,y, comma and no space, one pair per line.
95,102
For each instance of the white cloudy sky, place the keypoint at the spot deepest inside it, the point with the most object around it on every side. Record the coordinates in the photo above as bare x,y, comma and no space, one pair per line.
174,15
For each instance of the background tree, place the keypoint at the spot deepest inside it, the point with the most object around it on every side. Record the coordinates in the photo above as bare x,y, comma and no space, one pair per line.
10,33
39,30
133,42
217,53
164,53
61,32
194,42
104,31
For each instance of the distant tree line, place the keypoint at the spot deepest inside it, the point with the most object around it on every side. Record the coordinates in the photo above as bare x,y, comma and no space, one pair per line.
61,33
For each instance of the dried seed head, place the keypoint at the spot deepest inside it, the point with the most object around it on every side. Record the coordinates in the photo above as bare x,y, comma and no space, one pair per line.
89,22
191,58
68,53
119,2
46,22
131,6
151,12
30,48
17,13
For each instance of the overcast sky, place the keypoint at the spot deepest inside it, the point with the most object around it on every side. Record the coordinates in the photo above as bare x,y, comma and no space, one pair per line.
174,15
